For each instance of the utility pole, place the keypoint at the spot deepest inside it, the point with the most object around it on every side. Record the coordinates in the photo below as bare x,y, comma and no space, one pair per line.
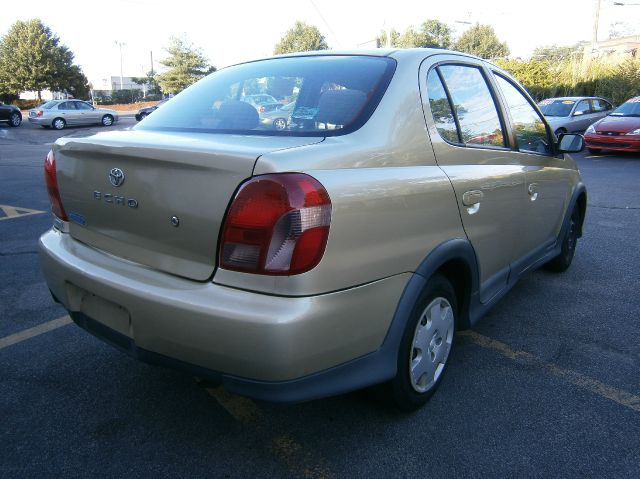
120,44
594,40
151,62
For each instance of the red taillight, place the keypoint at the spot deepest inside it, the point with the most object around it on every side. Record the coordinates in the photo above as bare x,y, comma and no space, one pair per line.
51,179
39,113
277,225
261,109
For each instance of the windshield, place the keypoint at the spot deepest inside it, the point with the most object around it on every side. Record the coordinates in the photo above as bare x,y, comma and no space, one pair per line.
553,107
628,108
332,94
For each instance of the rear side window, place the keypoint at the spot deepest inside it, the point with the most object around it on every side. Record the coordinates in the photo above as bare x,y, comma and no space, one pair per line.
473,106
600,105
441,108
530,130
331,95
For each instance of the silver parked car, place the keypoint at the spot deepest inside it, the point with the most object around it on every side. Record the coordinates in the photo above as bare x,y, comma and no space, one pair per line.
278,118
574,114
61,113
408,193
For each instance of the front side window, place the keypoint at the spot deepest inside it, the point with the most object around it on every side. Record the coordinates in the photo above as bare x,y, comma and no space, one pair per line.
331,95
529,128
582,108
80,105
474,106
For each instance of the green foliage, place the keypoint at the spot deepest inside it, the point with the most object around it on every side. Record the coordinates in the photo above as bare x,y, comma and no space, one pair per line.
32,59
301,38
432,33
120,97
186,65
577,77
482,41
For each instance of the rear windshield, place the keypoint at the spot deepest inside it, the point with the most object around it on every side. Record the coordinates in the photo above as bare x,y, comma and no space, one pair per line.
330,95
628,108
48,105
556,107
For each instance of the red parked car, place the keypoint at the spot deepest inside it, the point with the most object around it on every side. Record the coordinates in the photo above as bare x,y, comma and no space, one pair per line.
620,131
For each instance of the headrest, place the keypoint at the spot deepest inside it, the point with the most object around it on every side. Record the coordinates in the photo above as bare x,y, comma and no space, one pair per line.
340,107
237,115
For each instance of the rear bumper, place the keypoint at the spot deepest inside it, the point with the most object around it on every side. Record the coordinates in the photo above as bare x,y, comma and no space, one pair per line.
39,120
263,346
617,143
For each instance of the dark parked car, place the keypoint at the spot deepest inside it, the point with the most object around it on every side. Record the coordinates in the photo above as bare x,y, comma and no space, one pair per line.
144,112
11,114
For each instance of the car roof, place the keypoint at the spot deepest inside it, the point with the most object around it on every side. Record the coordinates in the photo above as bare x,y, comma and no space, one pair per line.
576,98
397,53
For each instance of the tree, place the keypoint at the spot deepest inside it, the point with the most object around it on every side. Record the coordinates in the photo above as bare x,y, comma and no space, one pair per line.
32,59
437,34
301,38
432,33
482,41
186,65
150,80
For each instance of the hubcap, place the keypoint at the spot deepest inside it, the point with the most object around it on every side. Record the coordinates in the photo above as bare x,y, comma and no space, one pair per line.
106,121
58,124
15,119
280,124
431,344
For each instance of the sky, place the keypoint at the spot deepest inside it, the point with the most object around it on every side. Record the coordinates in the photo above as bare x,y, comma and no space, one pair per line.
233,32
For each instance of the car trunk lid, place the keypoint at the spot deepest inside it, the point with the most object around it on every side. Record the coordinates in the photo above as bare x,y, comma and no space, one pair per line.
167,209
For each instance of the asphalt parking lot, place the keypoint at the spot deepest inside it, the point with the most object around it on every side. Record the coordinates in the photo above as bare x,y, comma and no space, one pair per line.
546,385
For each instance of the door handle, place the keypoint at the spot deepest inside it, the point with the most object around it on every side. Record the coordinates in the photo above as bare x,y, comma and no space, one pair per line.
532,189
471,199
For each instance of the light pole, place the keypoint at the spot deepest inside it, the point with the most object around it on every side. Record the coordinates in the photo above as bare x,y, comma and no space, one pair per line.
120,44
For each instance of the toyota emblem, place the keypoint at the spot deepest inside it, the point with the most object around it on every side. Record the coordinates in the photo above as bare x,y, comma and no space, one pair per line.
116,176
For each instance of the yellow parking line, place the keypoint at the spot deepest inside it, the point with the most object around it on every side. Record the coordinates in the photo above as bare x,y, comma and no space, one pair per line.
300,461
12,212
594,386
33,332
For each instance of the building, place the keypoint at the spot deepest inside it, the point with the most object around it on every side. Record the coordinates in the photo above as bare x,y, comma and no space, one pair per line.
113,83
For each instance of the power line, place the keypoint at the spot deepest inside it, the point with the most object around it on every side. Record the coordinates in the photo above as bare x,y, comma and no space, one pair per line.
335,37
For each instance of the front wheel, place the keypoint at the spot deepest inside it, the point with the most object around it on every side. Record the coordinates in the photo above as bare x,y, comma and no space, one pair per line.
426,345
568,249
107,120
15,119
58,123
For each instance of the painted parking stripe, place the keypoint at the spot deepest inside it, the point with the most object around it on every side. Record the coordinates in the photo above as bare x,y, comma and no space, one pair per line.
594,386
10,212
33,332
301,462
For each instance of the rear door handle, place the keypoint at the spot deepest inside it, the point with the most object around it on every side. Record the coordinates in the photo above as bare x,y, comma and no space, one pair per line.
471,199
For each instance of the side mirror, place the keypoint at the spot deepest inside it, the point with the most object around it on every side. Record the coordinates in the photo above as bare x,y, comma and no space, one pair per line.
570,143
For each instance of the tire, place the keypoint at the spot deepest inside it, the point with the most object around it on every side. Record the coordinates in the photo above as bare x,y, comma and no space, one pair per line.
562,262
426,345
107,120
15,119
58,123
279,123
594,151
